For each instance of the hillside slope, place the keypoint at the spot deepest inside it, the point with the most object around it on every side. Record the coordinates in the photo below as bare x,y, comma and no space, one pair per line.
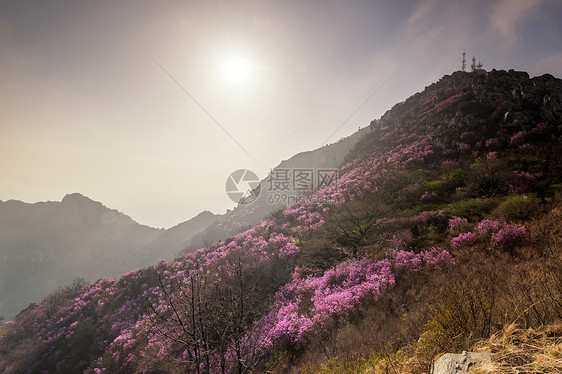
443,227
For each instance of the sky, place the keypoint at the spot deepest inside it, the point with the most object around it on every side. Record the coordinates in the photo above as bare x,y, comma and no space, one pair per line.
148,106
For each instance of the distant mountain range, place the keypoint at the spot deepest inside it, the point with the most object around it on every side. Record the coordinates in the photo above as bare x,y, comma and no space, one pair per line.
44,246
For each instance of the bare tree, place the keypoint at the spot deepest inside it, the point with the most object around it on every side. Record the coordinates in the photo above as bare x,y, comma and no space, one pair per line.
211,319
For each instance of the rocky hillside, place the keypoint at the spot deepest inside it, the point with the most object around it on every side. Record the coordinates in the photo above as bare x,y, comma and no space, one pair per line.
443,228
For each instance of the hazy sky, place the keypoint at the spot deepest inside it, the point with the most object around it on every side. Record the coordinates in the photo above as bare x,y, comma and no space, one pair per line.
85,108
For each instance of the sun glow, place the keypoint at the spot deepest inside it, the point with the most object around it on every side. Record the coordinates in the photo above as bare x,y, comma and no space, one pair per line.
237,70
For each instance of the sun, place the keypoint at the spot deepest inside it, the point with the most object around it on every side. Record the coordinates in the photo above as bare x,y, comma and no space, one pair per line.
237,70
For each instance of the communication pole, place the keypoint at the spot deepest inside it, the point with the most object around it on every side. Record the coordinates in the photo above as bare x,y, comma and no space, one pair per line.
463,61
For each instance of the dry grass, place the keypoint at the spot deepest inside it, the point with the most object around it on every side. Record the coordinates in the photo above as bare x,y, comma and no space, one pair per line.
524,350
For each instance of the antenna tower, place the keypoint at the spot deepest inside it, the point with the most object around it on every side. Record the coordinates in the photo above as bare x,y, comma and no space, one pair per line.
463,61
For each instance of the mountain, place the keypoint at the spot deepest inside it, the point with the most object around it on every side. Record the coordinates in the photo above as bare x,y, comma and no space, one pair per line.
46,245
442,234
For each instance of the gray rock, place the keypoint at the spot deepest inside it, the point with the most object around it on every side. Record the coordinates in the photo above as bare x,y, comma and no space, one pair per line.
451,363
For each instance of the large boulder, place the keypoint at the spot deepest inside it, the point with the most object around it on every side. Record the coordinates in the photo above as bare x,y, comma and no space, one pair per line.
451,363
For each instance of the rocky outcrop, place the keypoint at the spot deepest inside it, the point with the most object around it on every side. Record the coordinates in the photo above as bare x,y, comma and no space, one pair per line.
451,363
463,108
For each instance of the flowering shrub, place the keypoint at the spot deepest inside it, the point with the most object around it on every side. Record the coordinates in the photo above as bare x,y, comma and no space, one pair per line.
492,155
517,138
305,305
493,143
487,227
456,224
427,217
428,197
540,128
438,258
502,235
509,237
463,240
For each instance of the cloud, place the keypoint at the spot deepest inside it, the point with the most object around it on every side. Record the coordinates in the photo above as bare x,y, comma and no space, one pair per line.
507,15
422,10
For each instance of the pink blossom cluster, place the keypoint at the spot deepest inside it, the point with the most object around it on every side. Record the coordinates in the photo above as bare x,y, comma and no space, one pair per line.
309,303
517,138
456,224
430,217
487,227
493,143
416,151
501,234
510,236
309,215
463,240
492,155
464,147
438,258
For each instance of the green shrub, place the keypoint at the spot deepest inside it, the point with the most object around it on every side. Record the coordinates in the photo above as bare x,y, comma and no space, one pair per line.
473,208
447,184
518,207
